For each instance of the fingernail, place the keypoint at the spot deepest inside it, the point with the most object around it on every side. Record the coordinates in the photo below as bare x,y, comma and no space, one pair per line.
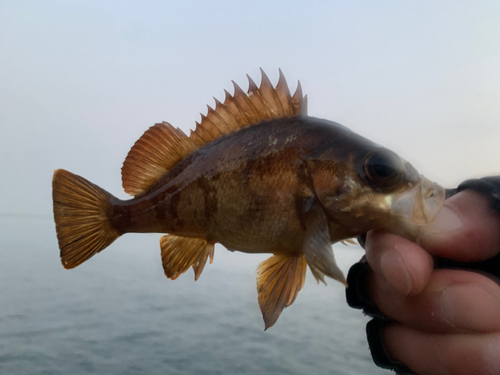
492,356
448,220
395,272
470,307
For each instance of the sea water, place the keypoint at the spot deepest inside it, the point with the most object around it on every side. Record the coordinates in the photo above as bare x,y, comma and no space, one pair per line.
119,314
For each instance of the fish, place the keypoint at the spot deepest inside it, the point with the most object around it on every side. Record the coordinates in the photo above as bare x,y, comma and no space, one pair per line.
257,175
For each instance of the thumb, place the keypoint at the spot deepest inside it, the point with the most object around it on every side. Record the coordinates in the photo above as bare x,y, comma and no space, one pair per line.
466,229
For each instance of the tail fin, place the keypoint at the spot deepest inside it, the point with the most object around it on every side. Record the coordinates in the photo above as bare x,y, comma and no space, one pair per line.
81,213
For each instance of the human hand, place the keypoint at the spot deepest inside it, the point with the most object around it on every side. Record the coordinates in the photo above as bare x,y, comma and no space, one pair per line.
446,321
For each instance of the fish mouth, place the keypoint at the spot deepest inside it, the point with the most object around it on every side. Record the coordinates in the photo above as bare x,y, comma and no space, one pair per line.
421,204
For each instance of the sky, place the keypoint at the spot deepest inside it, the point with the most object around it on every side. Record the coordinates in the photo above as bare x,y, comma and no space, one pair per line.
81,81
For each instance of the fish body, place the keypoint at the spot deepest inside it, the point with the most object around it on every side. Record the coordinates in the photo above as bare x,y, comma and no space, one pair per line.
240,190
258,176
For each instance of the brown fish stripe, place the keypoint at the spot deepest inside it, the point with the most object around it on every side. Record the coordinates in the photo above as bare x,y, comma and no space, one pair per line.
209,197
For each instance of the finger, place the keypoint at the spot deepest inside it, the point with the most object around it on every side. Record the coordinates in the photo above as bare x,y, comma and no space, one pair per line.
430,353
466,229
403,264
453,301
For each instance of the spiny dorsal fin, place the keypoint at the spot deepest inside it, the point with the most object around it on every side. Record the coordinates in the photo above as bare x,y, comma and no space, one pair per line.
159,149
279,280
244,109
163,146
180,253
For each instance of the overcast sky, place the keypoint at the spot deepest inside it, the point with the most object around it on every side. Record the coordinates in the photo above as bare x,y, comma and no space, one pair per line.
81,81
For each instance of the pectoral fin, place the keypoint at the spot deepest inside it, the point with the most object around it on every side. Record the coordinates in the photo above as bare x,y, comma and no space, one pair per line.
180,253
317,245
279,280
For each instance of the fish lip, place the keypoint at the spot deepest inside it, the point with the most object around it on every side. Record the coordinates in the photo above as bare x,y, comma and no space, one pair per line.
421,204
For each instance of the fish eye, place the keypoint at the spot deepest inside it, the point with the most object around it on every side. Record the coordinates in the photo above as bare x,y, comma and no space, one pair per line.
383,169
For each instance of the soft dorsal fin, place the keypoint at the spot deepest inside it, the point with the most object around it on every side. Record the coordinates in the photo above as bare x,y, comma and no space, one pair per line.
162,146
159,149
244,109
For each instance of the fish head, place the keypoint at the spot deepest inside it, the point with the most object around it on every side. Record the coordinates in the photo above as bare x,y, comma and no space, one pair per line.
370,187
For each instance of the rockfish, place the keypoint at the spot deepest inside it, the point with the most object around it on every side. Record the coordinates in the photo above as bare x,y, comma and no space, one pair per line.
257,175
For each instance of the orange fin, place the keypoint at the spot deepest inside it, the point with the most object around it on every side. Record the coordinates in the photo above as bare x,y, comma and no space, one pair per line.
244,109
159,149
279,280
317,245
180,253
81,213
162,146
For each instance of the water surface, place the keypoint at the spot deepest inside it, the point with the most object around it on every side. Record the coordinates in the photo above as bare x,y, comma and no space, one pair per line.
118,314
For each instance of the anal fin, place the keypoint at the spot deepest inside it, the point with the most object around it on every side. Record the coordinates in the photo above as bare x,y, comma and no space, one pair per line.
317,245
180,253
279,280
